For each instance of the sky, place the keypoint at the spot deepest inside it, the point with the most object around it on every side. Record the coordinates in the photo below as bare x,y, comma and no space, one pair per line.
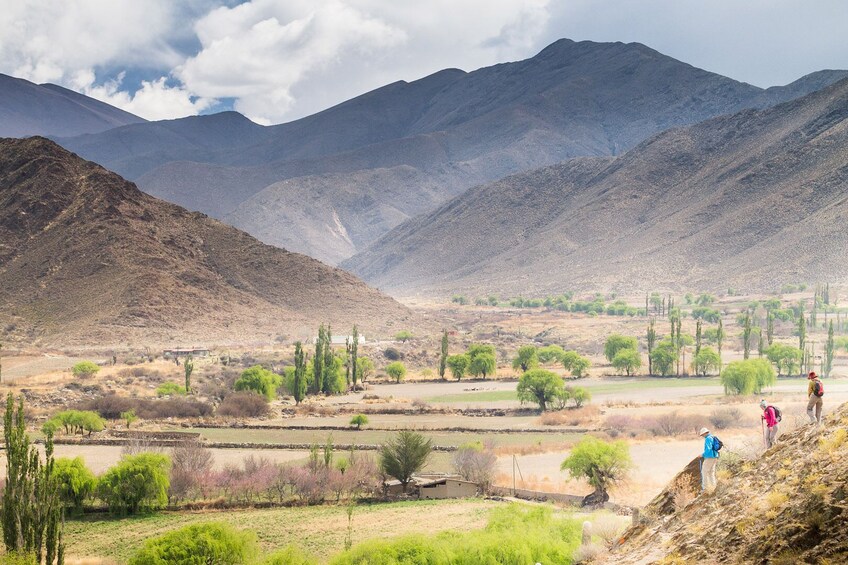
278,60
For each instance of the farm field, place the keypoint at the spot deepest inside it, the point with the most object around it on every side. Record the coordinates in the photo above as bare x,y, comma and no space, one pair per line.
319,530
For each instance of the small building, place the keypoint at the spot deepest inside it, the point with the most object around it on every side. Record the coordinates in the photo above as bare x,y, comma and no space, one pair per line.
447,487
185,352
343,339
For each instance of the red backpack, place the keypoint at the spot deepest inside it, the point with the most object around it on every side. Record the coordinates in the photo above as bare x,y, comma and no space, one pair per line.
818,388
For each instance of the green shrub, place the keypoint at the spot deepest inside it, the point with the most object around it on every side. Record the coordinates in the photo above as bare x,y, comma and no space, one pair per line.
601,463
76,482
200,544
259,380
170,388
747,377
359,420
75,422
550,354
136,483
403,336
291,555
540,386
85,369
396,371
618,342
515,535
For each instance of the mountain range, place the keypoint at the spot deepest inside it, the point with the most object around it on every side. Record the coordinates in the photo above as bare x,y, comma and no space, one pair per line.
750,200
28,109
333,183
87,258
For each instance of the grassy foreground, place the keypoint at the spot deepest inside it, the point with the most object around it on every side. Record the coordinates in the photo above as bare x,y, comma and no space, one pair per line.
317,530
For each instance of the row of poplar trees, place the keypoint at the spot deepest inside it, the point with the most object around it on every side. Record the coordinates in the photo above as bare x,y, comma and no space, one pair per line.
31,509
324,369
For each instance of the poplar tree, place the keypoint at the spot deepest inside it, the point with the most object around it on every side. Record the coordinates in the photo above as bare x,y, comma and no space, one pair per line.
354,355
770,328
802,340
746,335
697,337
719,342
329,365
443,358
299,387
828,353
32,511
652,340
318,361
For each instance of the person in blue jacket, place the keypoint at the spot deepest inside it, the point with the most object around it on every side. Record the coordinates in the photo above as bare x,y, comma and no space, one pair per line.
709,461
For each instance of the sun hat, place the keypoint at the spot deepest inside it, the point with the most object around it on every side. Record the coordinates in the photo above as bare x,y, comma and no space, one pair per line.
763,404
703,432
812,375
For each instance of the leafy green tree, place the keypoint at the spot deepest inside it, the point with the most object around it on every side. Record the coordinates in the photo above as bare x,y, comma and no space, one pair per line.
540,386
770,328
526,359
785,358
663,357
403,336
482,364
458,365
129,417
405,454
331,367
579,395
550,354
651,338
318,360
75,422
365,367
209,543
802,338
299,384
85,369
747,377
627,360
603,464
32,510
706,360
359,420
76,482
476,349
828,351
443,356
259,380
746,335
188,368
617,342
136,483
575,363
720,340
396,370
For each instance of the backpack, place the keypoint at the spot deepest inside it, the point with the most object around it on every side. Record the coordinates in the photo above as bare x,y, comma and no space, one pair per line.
818,388
778,415
717,444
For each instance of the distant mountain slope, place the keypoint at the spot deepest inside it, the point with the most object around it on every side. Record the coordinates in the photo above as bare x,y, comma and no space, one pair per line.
85,257
47,109
455,129
750,200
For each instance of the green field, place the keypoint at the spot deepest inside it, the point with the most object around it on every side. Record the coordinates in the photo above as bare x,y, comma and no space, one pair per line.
318,530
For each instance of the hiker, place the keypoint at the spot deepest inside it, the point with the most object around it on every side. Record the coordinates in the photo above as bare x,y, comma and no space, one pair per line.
771,417
709,461
815,391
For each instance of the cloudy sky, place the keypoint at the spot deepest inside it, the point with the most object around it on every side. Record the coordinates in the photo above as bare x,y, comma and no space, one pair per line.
276,60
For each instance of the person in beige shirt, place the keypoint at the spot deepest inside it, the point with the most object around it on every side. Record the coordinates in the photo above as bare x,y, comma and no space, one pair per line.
815,392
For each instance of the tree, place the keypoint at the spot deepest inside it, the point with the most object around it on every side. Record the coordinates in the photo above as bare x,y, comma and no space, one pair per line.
706,360
129,417
396,370
330,369
76,482
405,454
663,357
627,360
476,349
482,364
354,356
540,386
188,367
136,483
746,335
31,510
651,338
526,359
603,464
365,367
85,369
770,327
458,365
802,338
579,395
191,468
719,340
475,463
75,422
617,342
359,420
747,377
443,355
575,363
318,360
698,330
403,336
259,380
299,385
550,354
785,358
828,351
210,543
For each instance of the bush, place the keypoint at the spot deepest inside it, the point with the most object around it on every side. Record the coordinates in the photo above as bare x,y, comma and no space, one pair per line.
75,422
575,363
627,360
112,406
396,371
673,424
259,380
85,369
199,544
616,343
247,404
291,555
747,377
514,534
76,482
170,388
136,483
473,462
359,420
392,354
724,418
540,386
403,336
550,354
191,469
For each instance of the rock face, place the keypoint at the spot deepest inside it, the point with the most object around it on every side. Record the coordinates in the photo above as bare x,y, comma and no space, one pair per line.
87,258
47,109
788,506
332,183
751,200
